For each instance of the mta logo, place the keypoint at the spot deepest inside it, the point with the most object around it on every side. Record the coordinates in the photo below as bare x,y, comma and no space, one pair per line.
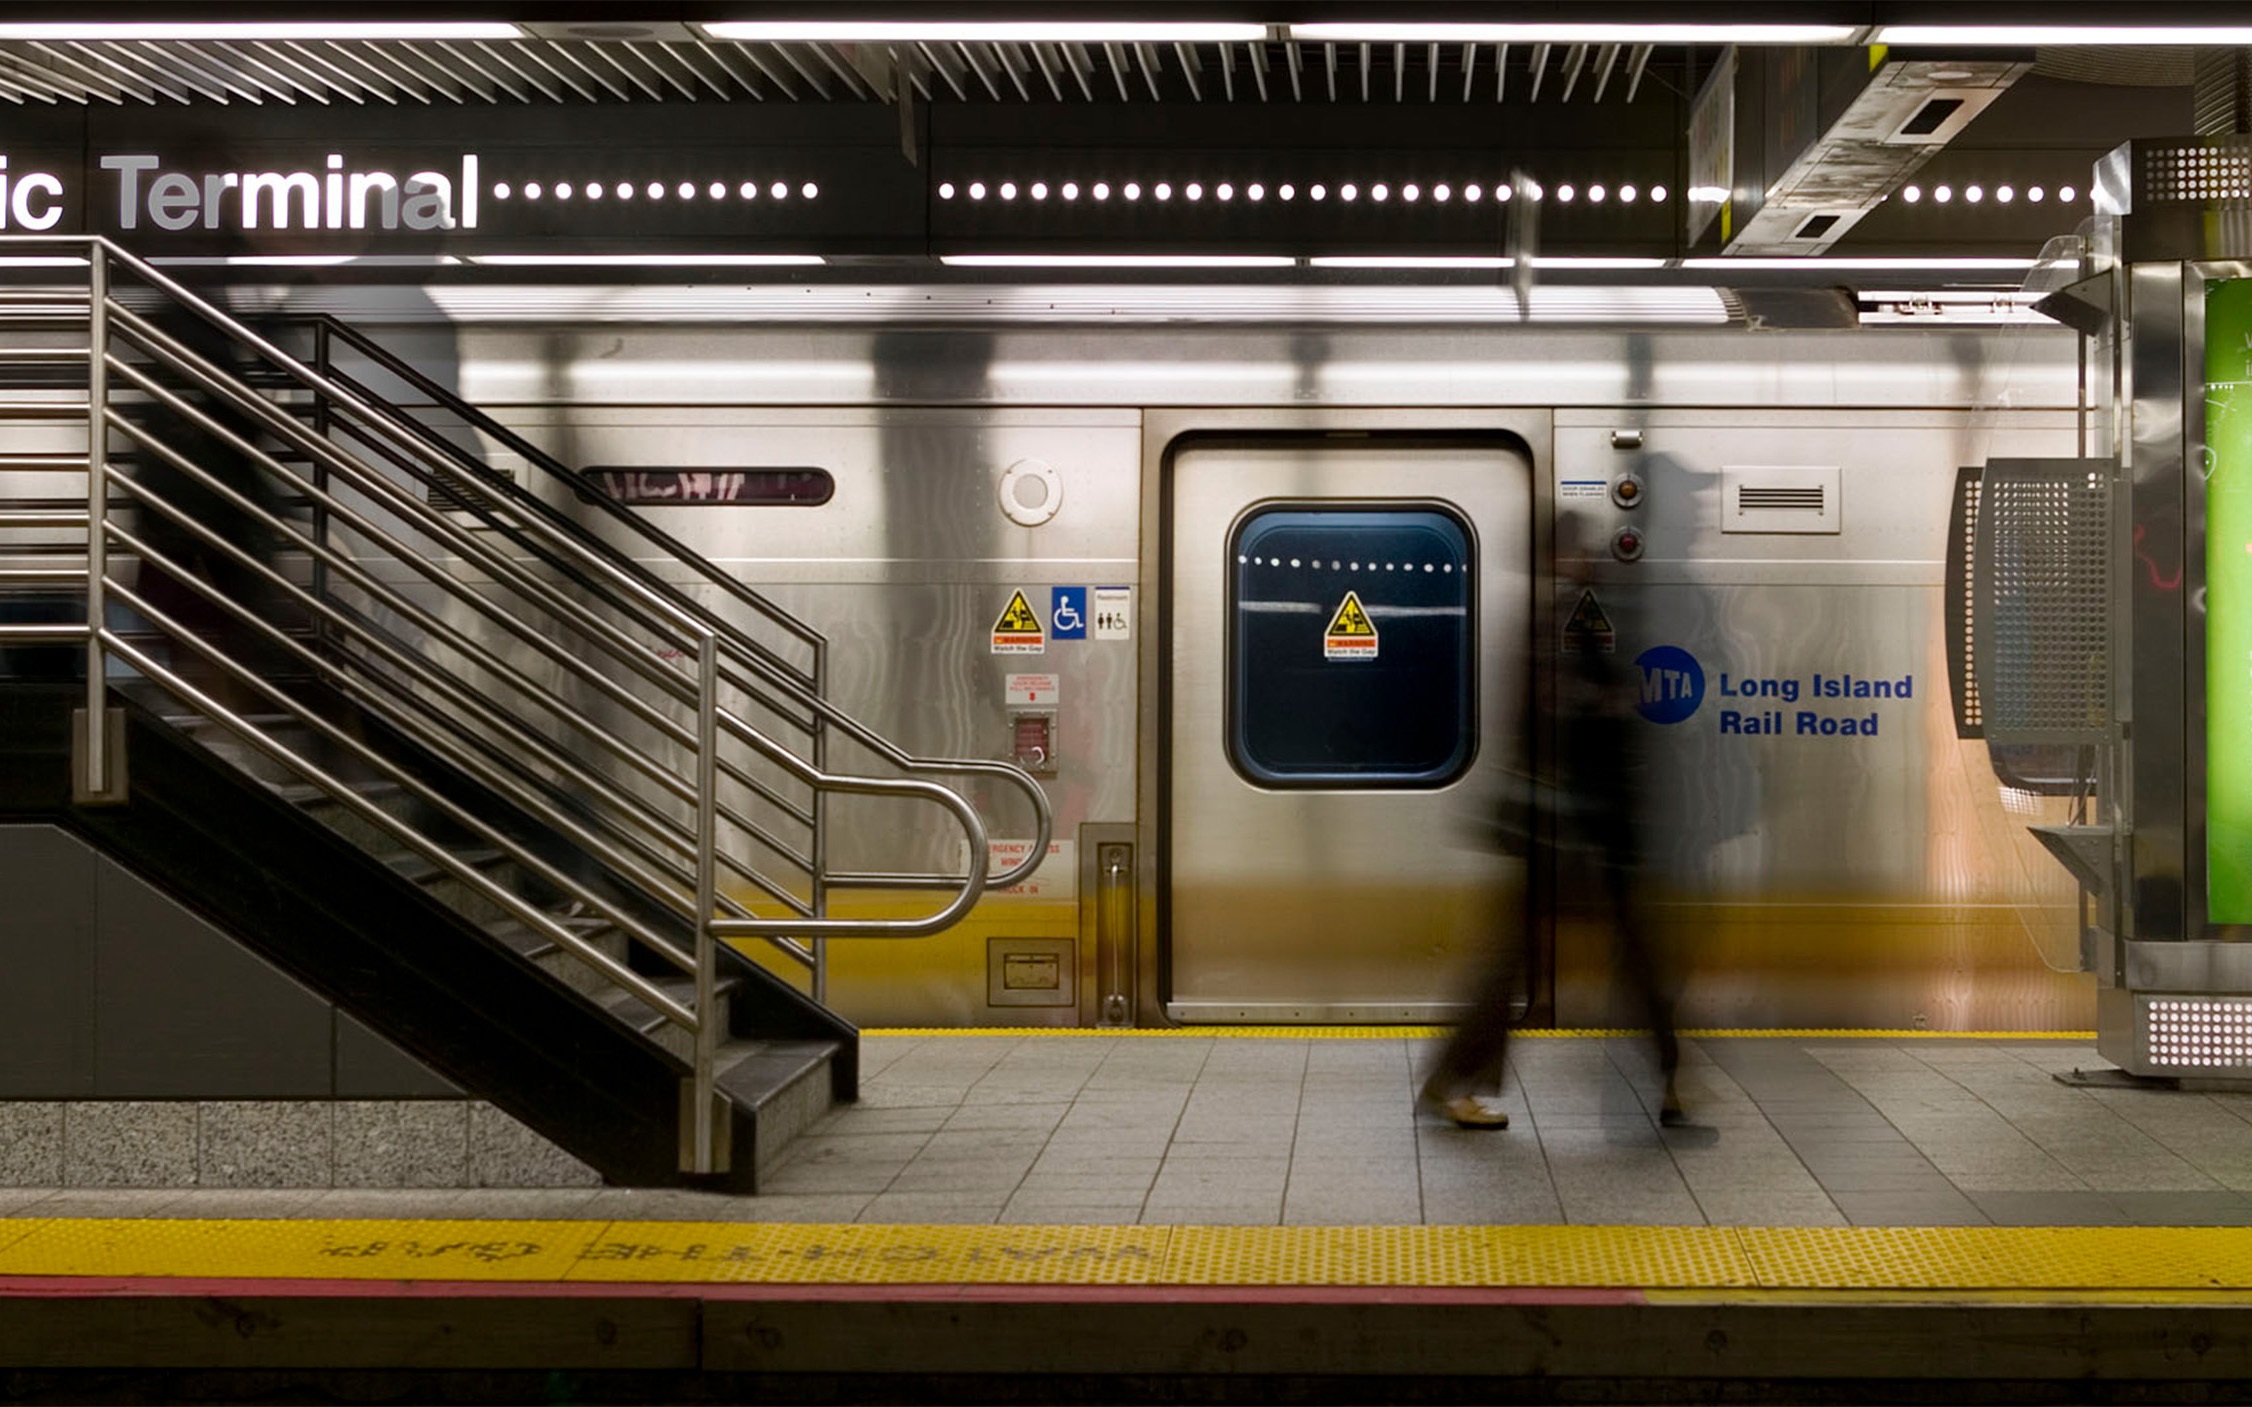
1673,684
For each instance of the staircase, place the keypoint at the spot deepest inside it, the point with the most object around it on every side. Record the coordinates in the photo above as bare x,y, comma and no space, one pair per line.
492,780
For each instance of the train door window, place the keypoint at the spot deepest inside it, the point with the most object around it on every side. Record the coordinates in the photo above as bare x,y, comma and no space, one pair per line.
1351,647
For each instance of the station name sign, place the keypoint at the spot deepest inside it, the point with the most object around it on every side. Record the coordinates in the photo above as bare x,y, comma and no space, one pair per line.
303,185
144,192
330,199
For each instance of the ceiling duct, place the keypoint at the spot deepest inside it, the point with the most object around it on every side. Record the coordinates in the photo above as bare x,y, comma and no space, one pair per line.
1822,137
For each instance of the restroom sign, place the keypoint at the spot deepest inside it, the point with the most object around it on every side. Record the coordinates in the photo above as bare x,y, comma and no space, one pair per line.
1351,634
1018,631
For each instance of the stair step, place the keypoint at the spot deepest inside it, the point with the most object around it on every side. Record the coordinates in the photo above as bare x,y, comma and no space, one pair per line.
307,797
635,1012
786,1084
417,868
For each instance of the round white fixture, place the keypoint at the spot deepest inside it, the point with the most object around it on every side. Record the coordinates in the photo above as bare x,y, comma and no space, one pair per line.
1031,492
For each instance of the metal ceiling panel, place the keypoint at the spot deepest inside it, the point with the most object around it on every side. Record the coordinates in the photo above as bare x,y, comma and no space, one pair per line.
688,68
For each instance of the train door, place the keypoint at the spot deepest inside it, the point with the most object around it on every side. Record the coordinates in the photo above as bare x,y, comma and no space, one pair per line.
1345,677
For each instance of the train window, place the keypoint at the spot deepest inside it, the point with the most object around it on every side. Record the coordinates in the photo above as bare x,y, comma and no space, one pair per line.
1351,647
791,486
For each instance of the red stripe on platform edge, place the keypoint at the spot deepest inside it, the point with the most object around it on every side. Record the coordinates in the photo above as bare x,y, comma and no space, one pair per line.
113,1286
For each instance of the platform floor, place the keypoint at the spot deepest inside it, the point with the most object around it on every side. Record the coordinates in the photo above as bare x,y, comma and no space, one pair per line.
1173,1129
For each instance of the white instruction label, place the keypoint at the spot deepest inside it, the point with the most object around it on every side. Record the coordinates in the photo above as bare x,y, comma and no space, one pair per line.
1033,688
1114,613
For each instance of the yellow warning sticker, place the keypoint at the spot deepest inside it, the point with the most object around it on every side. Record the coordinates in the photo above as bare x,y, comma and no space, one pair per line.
1018,631
1351,634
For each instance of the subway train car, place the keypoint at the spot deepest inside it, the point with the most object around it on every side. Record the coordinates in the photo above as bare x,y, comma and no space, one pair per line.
1267,587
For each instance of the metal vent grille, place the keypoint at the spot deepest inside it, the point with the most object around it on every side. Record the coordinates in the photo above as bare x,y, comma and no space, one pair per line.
1774,498
2197,174
2198,1033
449,492
1805,500
2040,604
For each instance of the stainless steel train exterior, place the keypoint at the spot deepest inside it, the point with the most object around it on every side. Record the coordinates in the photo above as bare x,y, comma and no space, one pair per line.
1830,854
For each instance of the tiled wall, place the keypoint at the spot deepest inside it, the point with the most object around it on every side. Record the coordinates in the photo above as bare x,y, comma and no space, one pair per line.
276,1143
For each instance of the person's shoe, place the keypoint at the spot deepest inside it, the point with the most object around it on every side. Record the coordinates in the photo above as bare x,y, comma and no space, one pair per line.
1670,1113
1472,1113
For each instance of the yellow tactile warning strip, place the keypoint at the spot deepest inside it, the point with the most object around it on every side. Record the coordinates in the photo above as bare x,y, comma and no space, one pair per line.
1364,1033
2145,1262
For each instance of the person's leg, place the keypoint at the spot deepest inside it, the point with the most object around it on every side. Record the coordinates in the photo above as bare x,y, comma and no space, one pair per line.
1477,1054
1646,980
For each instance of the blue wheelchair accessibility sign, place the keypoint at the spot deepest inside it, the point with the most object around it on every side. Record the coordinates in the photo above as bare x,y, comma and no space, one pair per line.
1067,614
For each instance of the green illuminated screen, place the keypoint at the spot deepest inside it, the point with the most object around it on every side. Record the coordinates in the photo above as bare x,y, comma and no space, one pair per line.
2228,601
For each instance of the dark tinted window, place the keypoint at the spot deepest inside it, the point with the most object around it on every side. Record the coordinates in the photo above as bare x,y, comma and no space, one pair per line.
803,487
1350,656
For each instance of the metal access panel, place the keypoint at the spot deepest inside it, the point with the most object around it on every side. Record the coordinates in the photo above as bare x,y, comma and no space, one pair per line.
2041,603
1336,606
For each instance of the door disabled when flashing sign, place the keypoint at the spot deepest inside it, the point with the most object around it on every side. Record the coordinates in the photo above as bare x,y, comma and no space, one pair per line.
1351,634
1018,631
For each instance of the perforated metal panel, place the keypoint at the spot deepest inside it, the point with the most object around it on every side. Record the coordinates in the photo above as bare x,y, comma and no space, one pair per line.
2222,171
1962,663
2195,1034
2041,601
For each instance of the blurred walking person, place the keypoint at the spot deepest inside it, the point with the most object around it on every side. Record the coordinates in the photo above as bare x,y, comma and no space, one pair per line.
1578,817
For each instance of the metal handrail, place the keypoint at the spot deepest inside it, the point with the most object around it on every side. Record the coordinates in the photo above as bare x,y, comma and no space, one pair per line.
673,858
750,650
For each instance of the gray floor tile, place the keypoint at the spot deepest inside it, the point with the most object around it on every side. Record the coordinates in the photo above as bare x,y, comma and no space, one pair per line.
522,1203
247,1203
1070,1214
2050,1209
105,1202
931,1209
2182,1208
1946,1208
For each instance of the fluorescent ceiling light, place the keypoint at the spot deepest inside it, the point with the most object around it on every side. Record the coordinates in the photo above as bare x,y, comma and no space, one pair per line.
1961,265
272,261
1576,261
263,29
563,261
1477,261
1410,261
1118,261
40,261
1579,33
2028,35
945,31
1948,295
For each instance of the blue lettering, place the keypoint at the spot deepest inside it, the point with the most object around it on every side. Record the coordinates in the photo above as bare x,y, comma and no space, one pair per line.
1784,689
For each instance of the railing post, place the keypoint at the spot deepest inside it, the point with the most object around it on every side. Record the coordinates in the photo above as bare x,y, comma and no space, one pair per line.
820,846
97,759
705,1132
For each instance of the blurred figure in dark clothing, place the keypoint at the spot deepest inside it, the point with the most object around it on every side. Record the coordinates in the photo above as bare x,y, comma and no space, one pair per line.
1579,817
203,574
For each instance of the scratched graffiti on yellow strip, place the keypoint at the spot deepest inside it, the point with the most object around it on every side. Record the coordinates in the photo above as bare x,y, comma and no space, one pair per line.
2100,1261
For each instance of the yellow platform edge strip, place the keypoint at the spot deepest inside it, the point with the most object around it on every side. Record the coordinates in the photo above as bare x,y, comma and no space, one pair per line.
2122,1263
1408,1032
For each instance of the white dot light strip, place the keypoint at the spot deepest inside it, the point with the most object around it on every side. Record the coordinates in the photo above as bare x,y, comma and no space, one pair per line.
1976,194
1286,192
2199,1033
765,192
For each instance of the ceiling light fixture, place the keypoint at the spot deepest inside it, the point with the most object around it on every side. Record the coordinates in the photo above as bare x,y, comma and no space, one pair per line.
958,31
1410,261
1949,264
751,261
2030,35
1379,33
262,29
1478,261
1118,261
